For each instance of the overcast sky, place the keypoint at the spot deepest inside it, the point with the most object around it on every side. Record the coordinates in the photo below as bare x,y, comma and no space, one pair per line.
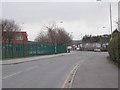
79,18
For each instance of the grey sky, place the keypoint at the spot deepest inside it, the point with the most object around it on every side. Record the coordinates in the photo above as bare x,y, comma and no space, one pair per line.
78,17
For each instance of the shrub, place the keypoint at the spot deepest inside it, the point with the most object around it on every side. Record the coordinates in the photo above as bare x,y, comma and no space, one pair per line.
114,48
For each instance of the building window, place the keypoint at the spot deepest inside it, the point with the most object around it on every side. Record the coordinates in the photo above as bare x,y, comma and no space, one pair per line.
19,37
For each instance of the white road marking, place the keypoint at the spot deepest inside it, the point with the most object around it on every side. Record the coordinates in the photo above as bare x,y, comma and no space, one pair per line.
28,69
12,75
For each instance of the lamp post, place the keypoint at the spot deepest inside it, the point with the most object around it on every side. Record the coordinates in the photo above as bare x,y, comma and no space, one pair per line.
55,42
55,37
21,38
110,16
110,20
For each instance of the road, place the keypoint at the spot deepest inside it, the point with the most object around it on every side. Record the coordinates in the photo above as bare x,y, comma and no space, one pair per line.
47,73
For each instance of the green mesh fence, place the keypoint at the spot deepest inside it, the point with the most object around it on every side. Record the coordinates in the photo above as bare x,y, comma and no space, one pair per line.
61,49
0,50
10,50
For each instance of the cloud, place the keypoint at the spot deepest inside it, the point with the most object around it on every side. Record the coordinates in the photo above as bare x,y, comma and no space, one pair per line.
82,17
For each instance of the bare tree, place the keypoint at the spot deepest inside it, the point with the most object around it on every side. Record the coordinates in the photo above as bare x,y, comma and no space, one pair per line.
63,37
42,37
8,27
54,36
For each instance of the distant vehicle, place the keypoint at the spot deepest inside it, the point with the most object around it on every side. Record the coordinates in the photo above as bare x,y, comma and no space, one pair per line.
78,49
69,48
97,50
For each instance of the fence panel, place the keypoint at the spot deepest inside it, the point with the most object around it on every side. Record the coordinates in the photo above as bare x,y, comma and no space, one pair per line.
10,50
19,50
0,50
61,49
7,50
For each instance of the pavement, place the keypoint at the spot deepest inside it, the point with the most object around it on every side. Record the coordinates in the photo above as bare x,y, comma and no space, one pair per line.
34,58
94,71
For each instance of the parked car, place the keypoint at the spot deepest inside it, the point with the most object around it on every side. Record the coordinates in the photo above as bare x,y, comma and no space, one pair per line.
97,50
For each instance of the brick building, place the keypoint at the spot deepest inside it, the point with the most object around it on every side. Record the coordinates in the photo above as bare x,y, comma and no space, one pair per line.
15,37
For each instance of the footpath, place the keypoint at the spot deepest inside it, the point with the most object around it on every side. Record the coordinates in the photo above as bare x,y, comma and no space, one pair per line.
34,58
97,72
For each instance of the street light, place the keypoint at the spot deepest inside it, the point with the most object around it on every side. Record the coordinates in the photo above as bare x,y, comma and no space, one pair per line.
107,29
110,15
55,37
55,43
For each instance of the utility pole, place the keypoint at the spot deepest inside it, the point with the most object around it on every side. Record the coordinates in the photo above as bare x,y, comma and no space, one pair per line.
110,15
110,19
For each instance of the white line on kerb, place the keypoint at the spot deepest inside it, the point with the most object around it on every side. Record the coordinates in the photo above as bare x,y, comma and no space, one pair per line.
12,75
73,71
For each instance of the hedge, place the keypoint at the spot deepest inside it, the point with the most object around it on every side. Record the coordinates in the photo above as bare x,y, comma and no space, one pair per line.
114,48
